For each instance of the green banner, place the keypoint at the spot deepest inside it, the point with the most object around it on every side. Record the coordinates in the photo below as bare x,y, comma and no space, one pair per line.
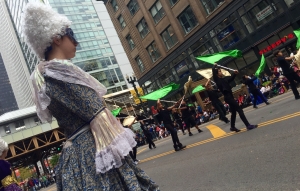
115,112
213,58
261,66
198,89
160,93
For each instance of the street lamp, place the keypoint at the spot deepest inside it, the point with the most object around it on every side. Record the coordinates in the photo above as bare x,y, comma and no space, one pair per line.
132,80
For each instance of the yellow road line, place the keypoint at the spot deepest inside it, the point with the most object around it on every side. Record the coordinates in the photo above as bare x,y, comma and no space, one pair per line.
215,131
225,135
141,151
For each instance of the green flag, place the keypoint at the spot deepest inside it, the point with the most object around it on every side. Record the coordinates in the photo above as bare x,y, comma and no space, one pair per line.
198,89
115,112
297,33
261,66
213,58
161,92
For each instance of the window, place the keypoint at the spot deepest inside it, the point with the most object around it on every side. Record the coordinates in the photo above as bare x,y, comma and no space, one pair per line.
122,21
140,64
114,5
7,129
157,11
20,125
187,20
130,42
169,37
262,13
211,5
173,2
153,51
143,28
133,6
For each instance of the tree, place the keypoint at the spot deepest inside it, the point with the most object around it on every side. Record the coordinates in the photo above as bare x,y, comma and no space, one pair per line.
25,172
54,160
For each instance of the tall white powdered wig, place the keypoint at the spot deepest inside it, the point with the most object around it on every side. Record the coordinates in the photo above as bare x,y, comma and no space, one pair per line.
40,24
3,146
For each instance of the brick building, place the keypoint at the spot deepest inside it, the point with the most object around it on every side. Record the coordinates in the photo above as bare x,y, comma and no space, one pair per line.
162,37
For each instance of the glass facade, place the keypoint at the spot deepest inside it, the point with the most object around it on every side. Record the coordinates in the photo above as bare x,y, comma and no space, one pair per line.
94,53
15,8
7,98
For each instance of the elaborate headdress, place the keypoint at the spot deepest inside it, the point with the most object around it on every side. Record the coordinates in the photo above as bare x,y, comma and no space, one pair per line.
40,25
3,146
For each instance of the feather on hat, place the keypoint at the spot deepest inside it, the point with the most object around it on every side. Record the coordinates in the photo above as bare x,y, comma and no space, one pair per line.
40,24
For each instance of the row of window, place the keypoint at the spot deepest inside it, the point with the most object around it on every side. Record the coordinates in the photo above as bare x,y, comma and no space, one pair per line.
88,54
89,35
74,9
85,26
83,18
109,77
95,64
91,44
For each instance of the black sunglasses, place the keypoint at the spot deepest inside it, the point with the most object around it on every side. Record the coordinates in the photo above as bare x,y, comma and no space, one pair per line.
70,34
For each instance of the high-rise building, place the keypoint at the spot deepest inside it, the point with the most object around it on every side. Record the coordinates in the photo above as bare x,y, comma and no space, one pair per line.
94,53
7,98
13,58
162,37
99,52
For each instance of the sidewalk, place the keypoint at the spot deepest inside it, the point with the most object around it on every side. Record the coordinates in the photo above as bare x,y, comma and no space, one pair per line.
49,188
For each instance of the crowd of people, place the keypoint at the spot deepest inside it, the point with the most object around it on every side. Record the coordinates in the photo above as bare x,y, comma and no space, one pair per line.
39,182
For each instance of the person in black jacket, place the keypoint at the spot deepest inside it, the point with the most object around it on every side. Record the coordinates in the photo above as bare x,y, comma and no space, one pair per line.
214,98
164,115
288,71
247,80
225,88
144,122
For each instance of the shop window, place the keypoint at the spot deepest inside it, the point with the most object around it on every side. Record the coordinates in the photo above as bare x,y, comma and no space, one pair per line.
221,26
247,23
143,28
114,5
250,56
187,20
231,35
157,11
153,51
211,5
140,64
173,2
169,37
241,11
277,6
262,45
182,69
122,21
130,42
133,6
240,63
261,13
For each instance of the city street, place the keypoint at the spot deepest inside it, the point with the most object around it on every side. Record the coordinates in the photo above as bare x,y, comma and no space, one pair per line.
266,158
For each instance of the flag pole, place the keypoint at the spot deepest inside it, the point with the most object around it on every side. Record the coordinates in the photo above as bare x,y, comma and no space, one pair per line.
226,68
168,101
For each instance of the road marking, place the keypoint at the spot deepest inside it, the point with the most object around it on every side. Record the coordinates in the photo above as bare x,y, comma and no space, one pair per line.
215,131
225,135
141,151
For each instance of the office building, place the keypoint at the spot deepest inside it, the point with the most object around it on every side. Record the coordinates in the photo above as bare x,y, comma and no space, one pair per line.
13,59
7,98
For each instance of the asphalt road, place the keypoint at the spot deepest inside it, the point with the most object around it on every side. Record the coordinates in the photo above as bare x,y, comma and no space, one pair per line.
266,158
